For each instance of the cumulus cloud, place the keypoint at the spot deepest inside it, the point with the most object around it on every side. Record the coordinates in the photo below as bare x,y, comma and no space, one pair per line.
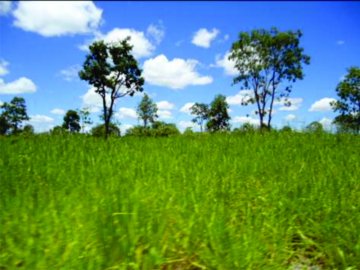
93,101
322,105
58,111
326,123
41,123
156,32
175,74
226,64
185,124
290,117
71,73
165,105
3,67
5,7
19,86
142,47
295,104
126,113
40,119
186,107
240,98
246,119
204,37
164,114
125,127
57,18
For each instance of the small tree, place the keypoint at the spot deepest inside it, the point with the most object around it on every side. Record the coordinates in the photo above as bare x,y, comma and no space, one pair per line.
14,113
147,110
114,73
315,127
265,61
348,106
201,112
84,118
71,121
99,130
218,115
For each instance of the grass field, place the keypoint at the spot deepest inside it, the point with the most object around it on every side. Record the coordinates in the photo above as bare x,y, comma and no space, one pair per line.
261,201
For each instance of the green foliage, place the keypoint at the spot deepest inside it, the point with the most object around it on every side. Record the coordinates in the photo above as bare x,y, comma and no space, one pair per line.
245,128
181,202
348,104
286,129
99,130
28,130
111,68
218,115
268,62
58,130
158,129
71,121
147,110
188,132
139,131
201,112
314,127
12,116
84,118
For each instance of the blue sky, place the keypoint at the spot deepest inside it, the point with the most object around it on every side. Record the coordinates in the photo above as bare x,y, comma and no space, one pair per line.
181,47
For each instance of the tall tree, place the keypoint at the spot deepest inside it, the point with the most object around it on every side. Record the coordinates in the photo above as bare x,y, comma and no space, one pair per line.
268,62
201,112
71,121
147,110
218,115
348,105
14,113
114,73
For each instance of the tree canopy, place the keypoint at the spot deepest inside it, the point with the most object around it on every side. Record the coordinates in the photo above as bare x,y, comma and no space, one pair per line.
147,110
71,121
348,105
201,113
114,73
268,61
12,116
218,115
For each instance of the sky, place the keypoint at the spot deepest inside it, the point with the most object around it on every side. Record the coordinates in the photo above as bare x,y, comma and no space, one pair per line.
182,49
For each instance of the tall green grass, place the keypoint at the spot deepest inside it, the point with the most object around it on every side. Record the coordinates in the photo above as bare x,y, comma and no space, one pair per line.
252,201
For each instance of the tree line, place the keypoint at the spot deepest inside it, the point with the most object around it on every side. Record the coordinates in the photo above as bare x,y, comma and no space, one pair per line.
268,62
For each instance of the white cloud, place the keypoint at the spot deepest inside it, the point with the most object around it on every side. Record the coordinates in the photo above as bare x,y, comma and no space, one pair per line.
226,64
246,119
322,105
57,18
3,67
340,42
164,114
185,124
186,108
124,128
203,37
41,123
5,7
241,97
295,104
93,101
126,113
175,74
19,86
156,32
326,123
58,111
70,73
290,117
165,105
142,47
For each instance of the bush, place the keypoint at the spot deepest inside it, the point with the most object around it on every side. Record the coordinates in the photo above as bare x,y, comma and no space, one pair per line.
99,130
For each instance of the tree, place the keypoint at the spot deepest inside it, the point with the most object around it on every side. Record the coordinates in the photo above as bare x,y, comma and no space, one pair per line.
218,115
84,118
99,131
71,121
114,73
147,110
268,62
14,113
348,91
201,112
4,125
315,127
28,130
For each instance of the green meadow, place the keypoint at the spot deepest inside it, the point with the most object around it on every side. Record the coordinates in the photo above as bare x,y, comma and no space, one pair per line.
222,201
